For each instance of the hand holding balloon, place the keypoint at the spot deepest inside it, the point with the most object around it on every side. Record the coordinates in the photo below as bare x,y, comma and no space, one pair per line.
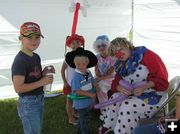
138,88
120,98
124,87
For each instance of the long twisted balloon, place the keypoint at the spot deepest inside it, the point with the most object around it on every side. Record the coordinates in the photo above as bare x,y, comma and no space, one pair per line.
74,25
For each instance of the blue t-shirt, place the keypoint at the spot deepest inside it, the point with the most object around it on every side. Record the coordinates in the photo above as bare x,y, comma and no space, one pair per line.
30,68
81,82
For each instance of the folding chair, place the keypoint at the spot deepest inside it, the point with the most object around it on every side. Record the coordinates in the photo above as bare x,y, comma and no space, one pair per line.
163,110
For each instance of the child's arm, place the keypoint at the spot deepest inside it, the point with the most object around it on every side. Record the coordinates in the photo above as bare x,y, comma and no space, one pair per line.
21,87
63,68
108,75
97,72
96,86
85,93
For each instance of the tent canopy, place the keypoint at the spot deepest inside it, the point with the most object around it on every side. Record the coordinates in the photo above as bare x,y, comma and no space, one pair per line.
156,24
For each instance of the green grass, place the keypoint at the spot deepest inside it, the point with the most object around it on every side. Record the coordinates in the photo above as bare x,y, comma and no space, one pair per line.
55,118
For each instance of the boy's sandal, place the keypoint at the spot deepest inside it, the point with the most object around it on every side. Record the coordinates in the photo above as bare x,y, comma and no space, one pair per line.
72,123
103,130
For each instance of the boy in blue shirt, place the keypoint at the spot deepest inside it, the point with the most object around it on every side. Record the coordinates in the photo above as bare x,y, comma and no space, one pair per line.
82,85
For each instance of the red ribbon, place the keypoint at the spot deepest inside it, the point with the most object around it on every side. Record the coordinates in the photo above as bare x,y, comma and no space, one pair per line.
75,18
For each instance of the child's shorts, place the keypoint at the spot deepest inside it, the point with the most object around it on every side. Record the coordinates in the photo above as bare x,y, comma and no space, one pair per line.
66,90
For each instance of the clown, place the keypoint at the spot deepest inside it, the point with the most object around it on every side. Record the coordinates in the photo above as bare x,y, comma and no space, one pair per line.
134,64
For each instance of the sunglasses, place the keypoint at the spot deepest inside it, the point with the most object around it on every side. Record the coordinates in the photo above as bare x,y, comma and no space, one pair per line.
103,45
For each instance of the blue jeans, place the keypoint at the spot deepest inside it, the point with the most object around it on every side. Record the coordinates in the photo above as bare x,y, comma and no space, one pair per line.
147,129
84,120
30,110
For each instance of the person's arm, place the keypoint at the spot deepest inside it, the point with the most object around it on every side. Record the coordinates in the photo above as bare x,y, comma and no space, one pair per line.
157,71
138,91
86,93
21,87
97,72
96,86
76,88
108,75
115,83
63,68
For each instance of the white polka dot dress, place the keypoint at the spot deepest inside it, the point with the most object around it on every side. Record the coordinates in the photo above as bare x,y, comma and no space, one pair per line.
123,117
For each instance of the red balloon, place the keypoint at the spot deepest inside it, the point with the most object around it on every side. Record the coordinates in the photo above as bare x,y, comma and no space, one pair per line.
75,18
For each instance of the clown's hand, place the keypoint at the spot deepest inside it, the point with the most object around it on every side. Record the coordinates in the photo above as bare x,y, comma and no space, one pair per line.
138,91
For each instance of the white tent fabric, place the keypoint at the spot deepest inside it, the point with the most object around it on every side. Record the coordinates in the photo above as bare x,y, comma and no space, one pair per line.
156,24
112,18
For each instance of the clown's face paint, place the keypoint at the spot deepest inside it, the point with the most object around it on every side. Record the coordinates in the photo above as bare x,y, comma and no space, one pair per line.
122,53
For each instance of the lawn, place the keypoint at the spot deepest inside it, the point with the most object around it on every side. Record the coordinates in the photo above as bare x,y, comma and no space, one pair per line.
55,119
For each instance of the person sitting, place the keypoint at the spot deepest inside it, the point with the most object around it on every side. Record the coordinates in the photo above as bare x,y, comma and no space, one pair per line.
134,64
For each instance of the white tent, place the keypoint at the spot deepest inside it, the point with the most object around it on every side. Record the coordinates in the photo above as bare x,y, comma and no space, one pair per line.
156,24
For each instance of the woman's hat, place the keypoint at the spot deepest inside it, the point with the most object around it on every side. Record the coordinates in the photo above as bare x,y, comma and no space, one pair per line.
102,39
75,37
81,52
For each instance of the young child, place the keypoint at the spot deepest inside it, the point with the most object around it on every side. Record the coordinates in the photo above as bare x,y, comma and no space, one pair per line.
67,73
104,70
82,85
28,79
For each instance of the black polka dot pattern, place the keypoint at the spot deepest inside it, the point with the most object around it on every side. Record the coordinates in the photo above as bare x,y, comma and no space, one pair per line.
143,105
132,108
126,102
134,105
